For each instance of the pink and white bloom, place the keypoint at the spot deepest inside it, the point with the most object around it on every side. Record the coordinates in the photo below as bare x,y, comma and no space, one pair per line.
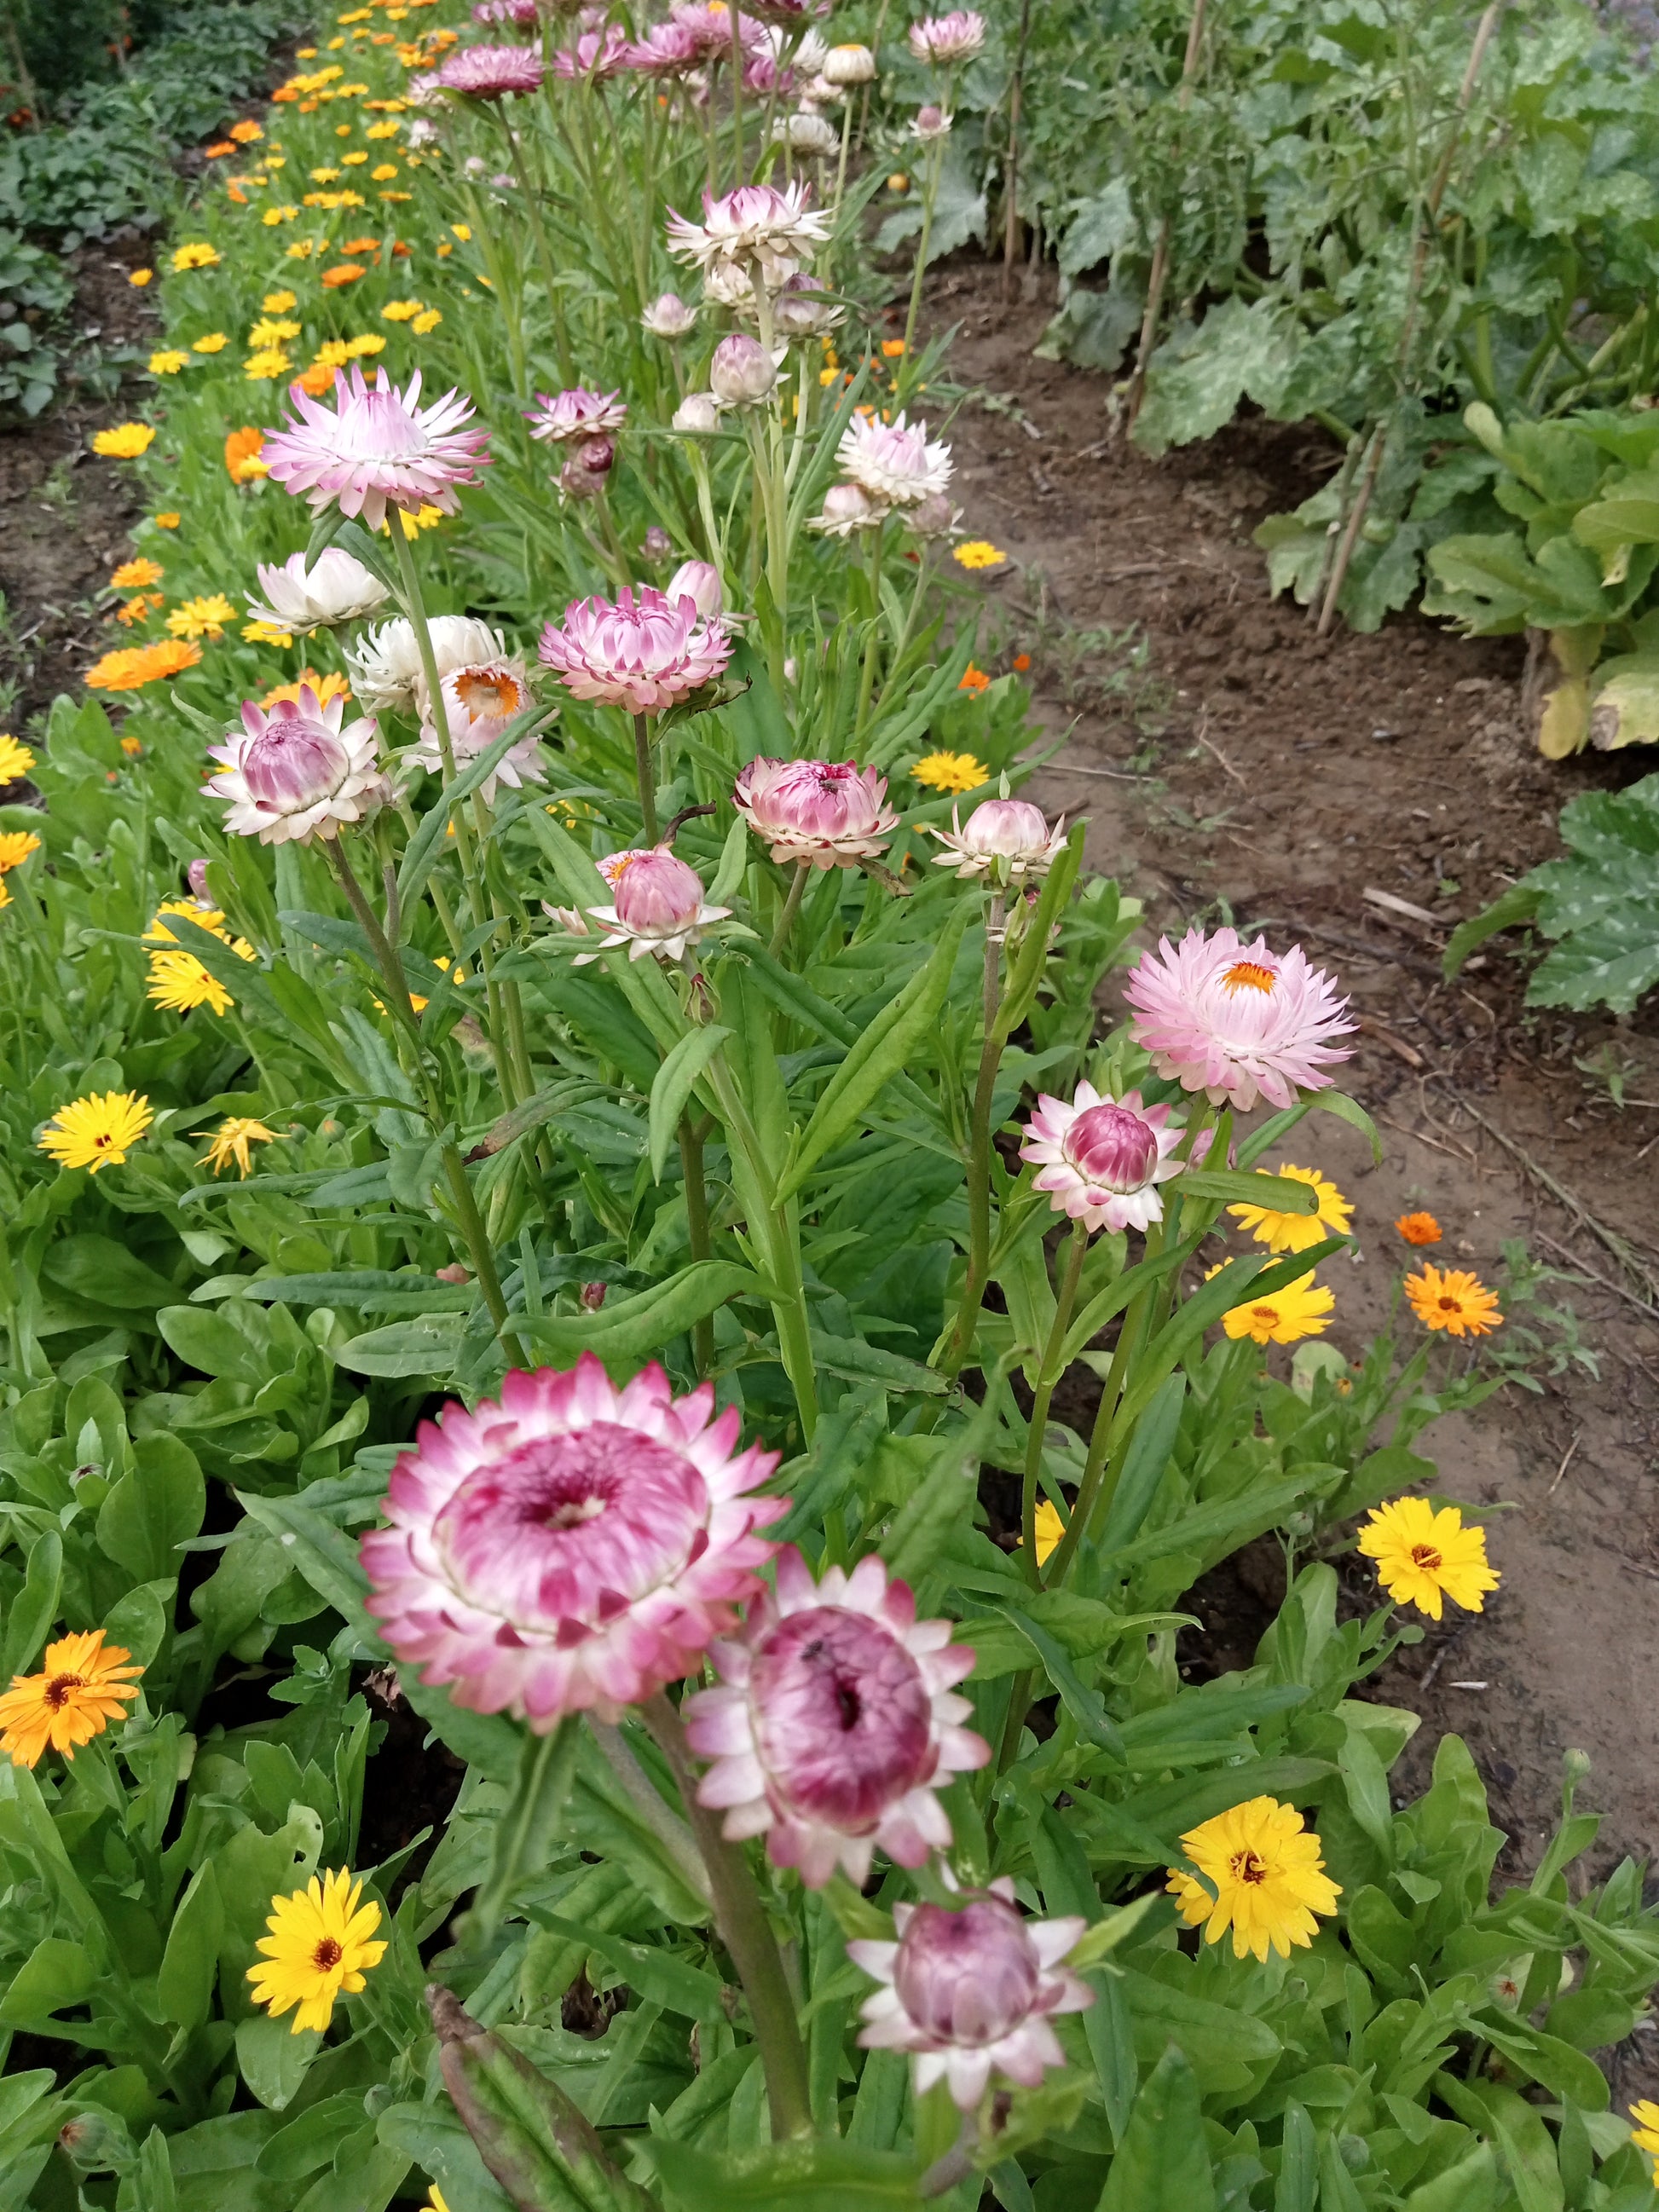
969,1991
1237,1021
946,40
483,72
561,418
595,56
700,582
1102,1158
806,131
835,1723
712,26
479,702
570,1548
1006,839
386,673
698,413
766,227
848,65
523,14
334,588
377,448
668,317
847,508
894,461
657,907
668,49
643,652
295,774
823,814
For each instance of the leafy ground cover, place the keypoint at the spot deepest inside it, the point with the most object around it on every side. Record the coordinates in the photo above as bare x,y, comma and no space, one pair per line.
329,1106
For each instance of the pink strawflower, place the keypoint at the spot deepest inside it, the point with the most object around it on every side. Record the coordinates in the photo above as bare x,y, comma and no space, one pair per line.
948,40
827,814
558,418
491,72
700,582
595,56
480,700
970,1991
668,49
766,227
1235,1020
847,508
803,308
1006,839
641,651
1102,1158
521,13
377,447
835,1723
668,317
894,461
658,906
742,372
295,774
572,1547
712,26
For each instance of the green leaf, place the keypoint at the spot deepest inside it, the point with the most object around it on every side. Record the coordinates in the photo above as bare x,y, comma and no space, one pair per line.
675,1081
881,1053
56,1976
1143,1469
624,1334
35,1608
1277,1194
1518,904
424,848
152,1511
525,1829
1297,2187
1162,2164
428,1344
659,1976
1087,1706
190,1965
274,2060
819,2175
100,1269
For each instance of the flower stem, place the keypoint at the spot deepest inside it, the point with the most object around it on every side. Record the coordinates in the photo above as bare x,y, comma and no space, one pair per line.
930,193
791,908
643,769
979,1155
747,1935
1048,1376
693,1136
530,191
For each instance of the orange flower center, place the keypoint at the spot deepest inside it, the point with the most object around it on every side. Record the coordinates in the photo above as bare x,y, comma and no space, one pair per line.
1267,1314
61,1688
489,694
1427,1556
1248,975
327,1955
1449,1305
101,1139
1245,1866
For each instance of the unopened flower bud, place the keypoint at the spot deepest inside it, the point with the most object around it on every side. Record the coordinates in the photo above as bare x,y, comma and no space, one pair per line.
1112,1147
698,412
700,582
807,132
596,455
932,516
931,123
656,895
577,480
743,372
593,1297
668,317
849,64
802,308
196,874
847,508
454,1272
656,545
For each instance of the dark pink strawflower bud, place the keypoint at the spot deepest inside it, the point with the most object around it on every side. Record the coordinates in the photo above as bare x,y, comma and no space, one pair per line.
454,1272
585,471
1102,1159
596,455
593,1297
835,1724
969,1991
657,895
700,582
1112,1147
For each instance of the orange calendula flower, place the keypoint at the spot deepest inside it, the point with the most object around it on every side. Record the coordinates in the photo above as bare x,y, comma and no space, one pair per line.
243,448
78,1692
170,520
1022,662
343,273
1457,1301
975,680
131,748
131,666
1419,1228
244,133
135,575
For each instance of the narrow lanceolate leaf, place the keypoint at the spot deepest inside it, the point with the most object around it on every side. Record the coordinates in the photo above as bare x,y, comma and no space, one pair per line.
427,842
525,1830
627,1331
880,1053
675,1081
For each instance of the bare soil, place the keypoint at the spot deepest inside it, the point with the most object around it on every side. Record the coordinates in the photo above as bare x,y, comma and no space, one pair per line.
1253,773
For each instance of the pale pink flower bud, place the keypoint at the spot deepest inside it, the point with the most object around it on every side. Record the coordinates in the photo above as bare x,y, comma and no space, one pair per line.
1005,839
454,1272
849,64
932,516
743,372
828,813
668,317
295,774
697,412
196,876
808,133
931,123
656,545
1102,1159
948,40
969,1991
835,1723
847,508
577,480
658,905
700,582
802,308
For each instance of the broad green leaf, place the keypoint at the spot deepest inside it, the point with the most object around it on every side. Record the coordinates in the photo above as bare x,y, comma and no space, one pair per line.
273,2060
1086,1707
35,1608
525,1828
818,2175
675,1081
428,1344
190,1965
1162,2164
1279,1193
152,1511
1143,1469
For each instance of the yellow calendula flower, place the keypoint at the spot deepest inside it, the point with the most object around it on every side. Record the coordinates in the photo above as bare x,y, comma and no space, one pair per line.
5,897
125,442
77,1693
98,1131
278,303
435,2202
267,633
1303,1308
131,747
1263,1877
202,617
196,254
273,330
213,341
168,362
325,687
401,311
301,250
1454,1300
319,1946
16,845
950,772
15,760
425,518
387,130
169,520
383,171
271,217
178,981
425,325
1050,1531
355,160
358,348
1295,1232
978,553
232,1140
1423,1555
1644,2135
267,365
141,277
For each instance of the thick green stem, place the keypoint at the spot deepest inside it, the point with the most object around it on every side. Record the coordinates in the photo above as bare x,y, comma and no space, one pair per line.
693,1136
747,1935
791,908
979,1155
1048,1376
647,781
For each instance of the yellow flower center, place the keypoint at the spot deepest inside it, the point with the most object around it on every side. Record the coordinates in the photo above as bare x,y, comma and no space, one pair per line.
327,1955
61,1686
1427,1557
1246,1866
1248,975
